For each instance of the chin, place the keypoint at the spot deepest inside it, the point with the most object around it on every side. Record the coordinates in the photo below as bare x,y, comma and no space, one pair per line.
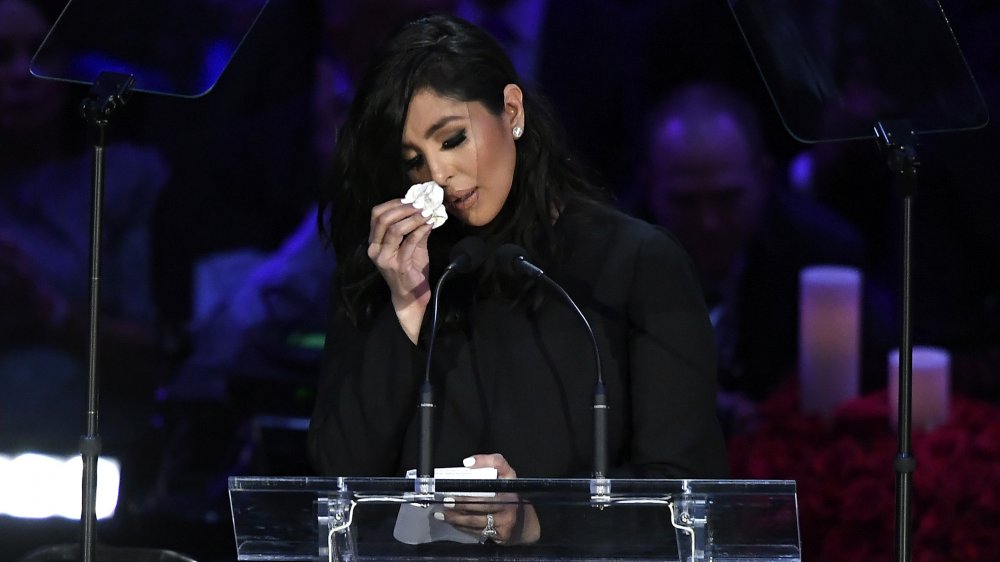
477,220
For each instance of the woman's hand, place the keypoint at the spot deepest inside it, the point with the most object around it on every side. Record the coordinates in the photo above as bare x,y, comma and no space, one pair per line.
513,522
397,244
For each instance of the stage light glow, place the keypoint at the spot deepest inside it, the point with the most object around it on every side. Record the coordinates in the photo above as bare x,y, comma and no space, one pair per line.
36,486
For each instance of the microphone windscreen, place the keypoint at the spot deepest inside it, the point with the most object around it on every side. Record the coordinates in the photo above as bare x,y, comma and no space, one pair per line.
468,254
507,257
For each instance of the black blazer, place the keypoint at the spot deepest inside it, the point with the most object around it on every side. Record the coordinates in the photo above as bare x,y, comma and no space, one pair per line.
520,382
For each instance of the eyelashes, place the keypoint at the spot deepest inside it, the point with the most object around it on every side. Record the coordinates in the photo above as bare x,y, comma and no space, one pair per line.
413,163
454,141
450,143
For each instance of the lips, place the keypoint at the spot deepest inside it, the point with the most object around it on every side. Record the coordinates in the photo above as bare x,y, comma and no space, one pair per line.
463,199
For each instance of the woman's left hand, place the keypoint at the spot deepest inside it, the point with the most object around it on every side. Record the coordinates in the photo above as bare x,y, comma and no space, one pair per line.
504,519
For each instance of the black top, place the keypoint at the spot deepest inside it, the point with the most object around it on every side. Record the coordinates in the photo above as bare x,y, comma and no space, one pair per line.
520,382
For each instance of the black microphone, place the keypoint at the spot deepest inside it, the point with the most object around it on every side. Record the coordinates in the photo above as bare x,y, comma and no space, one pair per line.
468,254
510,258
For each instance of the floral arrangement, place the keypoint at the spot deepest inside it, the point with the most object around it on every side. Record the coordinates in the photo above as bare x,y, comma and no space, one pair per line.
846,481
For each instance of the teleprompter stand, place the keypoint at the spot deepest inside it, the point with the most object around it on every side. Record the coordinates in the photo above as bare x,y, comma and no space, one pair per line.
898,142
110,91
117,50
901,73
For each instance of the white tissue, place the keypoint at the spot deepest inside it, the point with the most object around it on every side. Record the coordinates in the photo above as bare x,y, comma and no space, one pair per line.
429,198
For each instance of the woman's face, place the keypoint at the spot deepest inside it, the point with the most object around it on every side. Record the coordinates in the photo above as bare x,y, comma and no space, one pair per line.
466,149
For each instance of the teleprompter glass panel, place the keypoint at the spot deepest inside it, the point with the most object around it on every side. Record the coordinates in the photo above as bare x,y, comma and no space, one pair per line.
835,69
171,47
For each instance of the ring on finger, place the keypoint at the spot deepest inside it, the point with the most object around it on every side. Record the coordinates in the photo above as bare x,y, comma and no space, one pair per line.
490,530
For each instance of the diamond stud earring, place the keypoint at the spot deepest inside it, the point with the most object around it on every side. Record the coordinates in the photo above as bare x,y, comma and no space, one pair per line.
518,132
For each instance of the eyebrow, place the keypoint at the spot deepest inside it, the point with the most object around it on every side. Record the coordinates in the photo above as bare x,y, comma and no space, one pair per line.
437,127
439,124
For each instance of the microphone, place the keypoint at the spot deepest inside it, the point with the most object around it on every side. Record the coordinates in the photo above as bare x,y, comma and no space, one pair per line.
510,258
468,254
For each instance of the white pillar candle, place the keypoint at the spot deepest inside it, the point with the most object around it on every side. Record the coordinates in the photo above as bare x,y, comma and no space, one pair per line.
930,391
829,337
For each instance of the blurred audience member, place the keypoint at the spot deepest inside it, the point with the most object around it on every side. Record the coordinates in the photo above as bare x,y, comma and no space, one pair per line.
45,202
256,334
852,178
267,325
253,310
709,181
244,170
956,237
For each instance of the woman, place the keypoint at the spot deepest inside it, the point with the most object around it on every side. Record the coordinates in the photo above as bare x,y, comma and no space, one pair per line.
513,372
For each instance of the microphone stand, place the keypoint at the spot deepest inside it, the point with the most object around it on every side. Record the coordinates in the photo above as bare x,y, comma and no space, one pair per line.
898,140
424,484
466,256
110,91
600,485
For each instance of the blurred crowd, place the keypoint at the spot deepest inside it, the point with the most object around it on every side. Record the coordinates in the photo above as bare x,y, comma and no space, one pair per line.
215,277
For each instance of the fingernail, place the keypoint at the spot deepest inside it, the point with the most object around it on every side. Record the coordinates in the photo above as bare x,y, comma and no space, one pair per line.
449,502
439,516
406,200
469,461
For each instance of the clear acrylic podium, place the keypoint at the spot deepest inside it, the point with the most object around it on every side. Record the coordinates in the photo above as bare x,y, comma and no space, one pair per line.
347,519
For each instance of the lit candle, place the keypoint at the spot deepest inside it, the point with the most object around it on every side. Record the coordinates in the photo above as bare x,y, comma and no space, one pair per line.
829,337
930,391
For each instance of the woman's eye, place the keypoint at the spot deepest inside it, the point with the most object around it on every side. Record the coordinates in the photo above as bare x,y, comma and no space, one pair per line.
413,163
454,141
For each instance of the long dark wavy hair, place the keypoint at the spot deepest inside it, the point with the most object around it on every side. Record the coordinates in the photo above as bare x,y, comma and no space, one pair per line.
452,58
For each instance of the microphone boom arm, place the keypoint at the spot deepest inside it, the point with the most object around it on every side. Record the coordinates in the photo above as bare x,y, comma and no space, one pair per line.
519,263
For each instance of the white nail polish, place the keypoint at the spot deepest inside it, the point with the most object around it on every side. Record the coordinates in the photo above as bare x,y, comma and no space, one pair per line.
469,461
449,502
439,516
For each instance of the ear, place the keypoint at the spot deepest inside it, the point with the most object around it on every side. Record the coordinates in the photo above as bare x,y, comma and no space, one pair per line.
513,106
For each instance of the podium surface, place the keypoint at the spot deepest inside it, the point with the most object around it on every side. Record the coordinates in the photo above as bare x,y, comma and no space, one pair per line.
385,519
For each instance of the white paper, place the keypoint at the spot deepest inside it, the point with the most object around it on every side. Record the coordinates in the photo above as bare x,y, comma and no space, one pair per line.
416,524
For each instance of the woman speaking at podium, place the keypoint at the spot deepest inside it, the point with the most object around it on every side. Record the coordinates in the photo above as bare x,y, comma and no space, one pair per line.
513,370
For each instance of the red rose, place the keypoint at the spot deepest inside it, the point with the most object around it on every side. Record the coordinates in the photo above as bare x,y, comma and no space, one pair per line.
845,477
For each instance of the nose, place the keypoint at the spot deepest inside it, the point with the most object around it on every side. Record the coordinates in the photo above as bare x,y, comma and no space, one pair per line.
441,170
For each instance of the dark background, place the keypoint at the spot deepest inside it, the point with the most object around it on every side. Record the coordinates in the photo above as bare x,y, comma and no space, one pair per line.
245,167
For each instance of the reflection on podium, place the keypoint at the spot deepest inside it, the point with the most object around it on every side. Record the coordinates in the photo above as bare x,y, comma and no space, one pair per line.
315,519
